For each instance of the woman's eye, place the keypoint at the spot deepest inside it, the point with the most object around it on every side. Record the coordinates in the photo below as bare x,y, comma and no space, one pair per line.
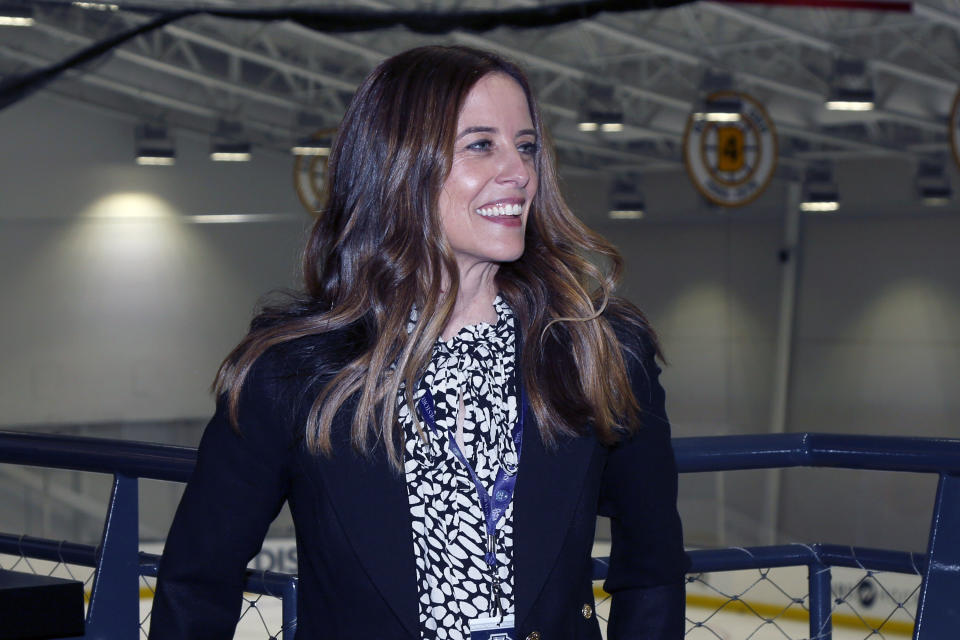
480,145
528,148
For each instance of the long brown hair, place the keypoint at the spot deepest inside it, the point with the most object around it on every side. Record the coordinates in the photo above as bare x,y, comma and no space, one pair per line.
377,251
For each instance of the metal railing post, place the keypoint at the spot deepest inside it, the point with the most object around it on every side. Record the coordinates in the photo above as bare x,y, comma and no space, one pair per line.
938,610
114,611
289,609
821,601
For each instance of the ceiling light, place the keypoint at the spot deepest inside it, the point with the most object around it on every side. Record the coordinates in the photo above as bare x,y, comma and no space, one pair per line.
846,99
16,15
831,203
933,186
156,157
719,108
607,121
634,212
231,152
311,147
719,102
153,146
626,199
96,6
931,198
851,88
229,143
820,193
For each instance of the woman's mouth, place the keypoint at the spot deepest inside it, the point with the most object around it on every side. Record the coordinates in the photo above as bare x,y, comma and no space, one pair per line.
500,210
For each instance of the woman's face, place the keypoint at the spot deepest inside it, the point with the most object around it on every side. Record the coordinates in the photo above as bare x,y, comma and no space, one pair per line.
485,199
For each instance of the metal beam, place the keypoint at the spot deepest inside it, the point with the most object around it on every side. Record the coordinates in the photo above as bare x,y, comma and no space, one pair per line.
937,16
174,70
685,105
152,97
259,58
824,45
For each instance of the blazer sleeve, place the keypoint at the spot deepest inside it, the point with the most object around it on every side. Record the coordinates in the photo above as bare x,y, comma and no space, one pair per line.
237,488
648,564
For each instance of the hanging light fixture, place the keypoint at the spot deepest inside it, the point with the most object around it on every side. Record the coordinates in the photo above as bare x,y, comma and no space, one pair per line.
230,152
96,6
601,110
16,15
626,198
313,131
719,102
719,108
154,147
851,88
820,192
228,143
932,183
608,121
310,146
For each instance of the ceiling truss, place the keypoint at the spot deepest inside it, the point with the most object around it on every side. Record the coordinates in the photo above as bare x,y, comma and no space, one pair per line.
278,79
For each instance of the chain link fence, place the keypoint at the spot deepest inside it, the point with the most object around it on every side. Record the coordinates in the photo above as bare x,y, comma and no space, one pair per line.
753,604
773,604
261,617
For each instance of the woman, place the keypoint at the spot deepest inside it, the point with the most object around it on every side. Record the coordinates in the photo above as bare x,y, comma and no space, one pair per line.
447,406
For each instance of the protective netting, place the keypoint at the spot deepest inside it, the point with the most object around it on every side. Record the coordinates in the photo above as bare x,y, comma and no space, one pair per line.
773,604
752,604
261,615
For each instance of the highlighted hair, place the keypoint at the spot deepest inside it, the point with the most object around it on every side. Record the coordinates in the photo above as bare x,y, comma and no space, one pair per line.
377,250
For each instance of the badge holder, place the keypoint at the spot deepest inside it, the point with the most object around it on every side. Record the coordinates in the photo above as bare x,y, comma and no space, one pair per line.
496,628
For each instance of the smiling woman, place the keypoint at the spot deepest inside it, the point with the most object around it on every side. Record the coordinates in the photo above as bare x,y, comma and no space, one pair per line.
485,200
450,401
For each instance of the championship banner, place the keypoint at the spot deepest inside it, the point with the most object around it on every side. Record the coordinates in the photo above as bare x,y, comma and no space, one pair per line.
731,161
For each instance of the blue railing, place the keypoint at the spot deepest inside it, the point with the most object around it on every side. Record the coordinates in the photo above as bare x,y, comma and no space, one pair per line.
113,610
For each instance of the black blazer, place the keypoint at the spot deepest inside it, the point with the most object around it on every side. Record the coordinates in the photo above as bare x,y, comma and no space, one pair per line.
357,577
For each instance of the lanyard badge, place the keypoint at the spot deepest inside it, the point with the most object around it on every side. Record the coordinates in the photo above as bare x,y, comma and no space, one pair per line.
494,506
497,628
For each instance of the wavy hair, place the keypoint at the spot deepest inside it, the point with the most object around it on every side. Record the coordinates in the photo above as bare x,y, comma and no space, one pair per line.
377,251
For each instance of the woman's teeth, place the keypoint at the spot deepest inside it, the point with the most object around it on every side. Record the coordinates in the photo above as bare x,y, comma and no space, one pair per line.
501,210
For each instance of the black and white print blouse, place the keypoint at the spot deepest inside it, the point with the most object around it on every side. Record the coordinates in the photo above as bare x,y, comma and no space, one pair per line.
453,580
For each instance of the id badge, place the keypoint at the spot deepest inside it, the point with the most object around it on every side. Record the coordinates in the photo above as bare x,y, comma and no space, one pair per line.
496,628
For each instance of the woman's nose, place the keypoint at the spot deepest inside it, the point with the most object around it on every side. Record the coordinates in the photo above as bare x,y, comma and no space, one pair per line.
515,167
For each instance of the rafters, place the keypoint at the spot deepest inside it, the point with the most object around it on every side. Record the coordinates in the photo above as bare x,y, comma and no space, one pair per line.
205,68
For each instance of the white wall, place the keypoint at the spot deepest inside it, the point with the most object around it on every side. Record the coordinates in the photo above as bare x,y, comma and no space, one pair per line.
114,310
876,349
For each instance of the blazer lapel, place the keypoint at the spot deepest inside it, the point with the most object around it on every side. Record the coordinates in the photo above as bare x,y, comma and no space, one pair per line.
549,485
371,501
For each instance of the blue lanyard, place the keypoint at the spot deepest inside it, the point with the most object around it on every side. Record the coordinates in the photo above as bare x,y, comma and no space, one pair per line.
493,506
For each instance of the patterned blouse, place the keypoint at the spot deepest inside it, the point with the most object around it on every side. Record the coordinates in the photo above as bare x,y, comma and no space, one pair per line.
453,580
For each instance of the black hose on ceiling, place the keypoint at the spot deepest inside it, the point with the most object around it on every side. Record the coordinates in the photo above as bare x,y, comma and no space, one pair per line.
16,88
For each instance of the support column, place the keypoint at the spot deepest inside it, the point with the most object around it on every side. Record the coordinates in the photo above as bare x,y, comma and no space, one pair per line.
789,280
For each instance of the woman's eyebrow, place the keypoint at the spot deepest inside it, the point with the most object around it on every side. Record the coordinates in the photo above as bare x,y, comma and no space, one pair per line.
477,129
484,129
